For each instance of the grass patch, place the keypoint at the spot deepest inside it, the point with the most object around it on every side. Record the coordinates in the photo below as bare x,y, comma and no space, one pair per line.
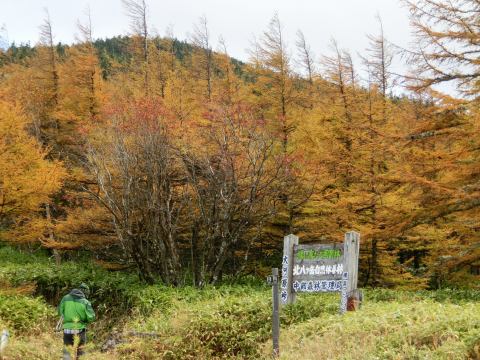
23,314
223,323
388,330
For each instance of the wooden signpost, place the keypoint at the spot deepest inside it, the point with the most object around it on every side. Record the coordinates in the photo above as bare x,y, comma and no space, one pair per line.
273,281
352,251
316,268
287,295
320,268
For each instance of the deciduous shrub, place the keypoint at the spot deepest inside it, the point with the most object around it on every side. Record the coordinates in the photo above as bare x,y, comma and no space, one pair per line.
26,314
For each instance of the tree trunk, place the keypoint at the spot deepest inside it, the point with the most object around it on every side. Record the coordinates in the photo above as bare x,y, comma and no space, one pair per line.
374,262
56,254
197,257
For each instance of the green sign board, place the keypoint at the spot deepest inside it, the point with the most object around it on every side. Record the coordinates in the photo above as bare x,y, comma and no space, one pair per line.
318,268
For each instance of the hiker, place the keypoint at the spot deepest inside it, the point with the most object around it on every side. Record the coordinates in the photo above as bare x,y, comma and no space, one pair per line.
76,312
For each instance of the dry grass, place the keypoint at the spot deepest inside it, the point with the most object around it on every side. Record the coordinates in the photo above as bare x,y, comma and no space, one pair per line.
395,326
6,288
46,346
421,330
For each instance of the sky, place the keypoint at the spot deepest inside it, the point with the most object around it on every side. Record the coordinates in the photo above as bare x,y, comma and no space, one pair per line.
237,21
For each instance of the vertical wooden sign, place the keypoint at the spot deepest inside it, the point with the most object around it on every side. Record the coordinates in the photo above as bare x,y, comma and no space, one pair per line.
275,315
351,254
287,295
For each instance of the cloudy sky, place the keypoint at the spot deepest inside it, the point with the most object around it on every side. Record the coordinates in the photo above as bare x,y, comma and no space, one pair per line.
348,21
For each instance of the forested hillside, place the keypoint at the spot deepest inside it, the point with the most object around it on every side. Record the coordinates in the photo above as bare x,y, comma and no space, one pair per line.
175,159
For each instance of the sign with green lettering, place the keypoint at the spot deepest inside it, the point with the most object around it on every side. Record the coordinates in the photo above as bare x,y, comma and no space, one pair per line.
318,268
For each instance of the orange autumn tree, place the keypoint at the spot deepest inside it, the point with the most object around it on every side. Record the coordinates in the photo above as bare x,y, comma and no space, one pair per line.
80,79
27,180
277,100
61,97
446,141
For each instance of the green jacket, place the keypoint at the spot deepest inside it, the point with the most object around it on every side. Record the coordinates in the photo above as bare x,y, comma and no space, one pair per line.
76,310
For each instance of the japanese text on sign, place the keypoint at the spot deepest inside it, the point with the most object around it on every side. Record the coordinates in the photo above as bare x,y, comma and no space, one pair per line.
318,267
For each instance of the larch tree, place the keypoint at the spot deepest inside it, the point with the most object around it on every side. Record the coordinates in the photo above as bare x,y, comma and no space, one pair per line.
448,42
160,65
137,11
27,181
49,127
306,57
48,46
434,172
46,73
88,69
276,78
376,146
306,61
277,103
203,62
447,34
229,85
80,95
339,71
378,62
79,221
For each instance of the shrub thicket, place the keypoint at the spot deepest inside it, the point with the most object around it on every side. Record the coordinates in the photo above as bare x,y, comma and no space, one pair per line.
25,314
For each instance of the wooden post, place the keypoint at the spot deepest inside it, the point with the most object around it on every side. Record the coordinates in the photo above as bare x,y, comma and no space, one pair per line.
344,294
275,315
288,296
351,254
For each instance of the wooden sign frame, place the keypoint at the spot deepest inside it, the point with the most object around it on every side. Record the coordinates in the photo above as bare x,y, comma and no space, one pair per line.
321,280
